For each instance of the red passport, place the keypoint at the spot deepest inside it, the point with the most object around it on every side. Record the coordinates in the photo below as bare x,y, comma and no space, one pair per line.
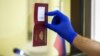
40,31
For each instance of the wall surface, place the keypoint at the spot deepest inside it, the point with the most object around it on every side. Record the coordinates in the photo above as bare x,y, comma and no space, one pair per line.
95,34
13,25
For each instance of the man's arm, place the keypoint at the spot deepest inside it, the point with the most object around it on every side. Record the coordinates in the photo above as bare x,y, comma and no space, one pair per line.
90,47
61,25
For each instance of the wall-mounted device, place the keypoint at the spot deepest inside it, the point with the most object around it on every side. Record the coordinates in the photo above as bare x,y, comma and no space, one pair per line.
40,31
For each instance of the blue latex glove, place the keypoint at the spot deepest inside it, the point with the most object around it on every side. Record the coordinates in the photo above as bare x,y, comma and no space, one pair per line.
62,26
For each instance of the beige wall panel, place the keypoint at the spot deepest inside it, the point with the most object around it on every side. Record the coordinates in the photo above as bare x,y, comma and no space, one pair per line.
13,25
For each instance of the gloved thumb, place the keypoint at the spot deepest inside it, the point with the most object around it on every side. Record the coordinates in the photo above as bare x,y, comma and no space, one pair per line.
50,26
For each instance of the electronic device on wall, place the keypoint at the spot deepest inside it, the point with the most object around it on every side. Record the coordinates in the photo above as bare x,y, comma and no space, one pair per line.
40,31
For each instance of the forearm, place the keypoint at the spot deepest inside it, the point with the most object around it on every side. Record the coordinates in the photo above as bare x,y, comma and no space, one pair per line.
90,47
63,27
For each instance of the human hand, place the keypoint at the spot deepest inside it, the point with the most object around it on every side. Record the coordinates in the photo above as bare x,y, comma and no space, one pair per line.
61,25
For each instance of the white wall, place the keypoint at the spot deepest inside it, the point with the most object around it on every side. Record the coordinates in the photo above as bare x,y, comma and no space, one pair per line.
95,34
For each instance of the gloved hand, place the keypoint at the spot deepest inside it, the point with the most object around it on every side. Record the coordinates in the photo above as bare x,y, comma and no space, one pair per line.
62,26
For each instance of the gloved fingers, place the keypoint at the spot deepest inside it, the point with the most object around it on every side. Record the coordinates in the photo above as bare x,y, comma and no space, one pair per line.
52,13
55,20
56,13
50,26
